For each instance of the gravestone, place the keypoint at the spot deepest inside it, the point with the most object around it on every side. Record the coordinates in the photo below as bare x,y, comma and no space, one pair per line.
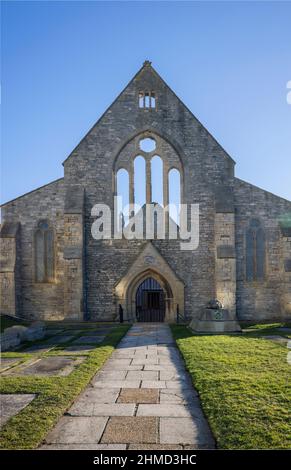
89,340
55,365
58,340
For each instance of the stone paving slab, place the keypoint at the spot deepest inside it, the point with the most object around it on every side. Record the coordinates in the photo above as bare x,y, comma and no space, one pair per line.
118,384
118,363
180,383
111,367
77,430
79,348
122,355
99,395
180,397
154,447
164,410
88,340
137,357
173,375
153,384
12,404
169,361
145,361
104,409
159,367
142,375
145,395
108,375
132,430
185,431
83,447
58,340
130,349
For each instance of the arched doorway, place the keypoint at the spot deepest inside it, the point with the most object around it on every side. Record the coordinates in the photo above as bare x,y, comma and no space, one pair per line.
150,264
150,301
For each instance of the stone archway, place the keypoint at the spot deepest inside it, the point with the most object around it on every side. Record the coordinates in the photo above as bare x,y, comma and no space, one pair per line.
151,264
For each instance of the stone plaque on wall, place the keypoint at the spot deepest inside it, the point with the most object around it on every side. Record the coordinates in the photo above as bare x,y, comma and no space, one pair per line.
226,251
73,252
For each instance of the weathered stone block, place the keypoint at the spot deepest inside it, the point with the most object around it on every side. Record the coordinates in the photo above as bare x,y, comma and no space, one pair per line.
72,252
226,251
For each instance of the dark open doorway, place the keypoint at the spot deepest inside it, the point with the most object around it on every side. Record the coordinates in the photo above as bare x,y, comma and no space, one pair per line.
150,301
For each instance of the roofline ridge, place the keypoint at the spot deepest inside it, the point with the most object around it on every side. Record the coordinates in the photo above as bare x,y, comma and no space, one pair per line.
32,191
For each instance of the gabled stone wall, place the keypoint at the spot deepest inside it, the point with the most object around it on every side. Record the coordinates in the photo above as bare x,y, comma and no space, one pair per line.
258,300
204,165
39,300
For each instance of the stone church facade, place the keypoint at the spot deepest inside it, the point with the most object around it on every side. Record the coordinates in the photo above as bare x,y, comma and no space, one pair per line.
52,268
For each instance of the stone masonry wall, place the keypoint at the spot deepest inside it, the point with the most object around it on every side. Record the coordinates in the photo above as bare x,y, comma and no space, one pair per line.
260,300
39,300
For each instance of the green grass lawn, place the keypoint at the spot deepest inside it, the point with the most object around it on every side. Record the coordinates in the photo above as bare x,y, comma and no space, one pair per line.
244,385
55,394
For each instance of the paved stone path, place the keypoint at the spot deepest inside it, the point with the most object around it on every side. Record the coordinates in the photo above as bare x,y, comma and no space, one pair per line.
142,398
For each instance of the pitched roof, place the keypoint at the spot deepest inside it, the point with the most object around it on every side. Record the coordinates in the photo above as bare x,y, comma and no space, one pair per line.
30,192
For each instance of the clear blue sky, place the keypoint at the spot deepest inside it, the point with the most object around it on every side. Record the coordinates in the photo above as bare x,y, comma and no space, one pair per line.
63,63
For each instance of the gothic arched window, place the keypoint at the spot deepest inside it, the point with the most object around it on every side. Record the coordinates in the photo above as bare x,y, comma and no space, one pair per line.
154,174
255,251
139,180
175,194
122,180
157,180
44,252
